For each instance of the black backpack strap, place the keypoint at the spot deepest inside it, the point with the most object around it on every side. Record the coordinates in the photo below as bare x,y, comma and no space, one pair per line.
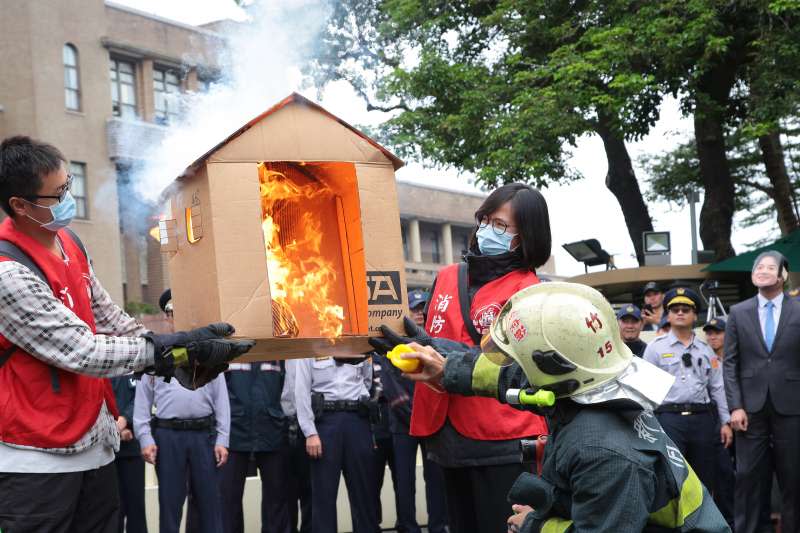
77,241
10,250
466,302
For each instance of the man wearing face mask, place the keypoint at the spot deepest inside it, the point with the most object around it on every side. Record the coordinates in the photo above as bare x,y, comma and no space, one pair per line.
476,440
60,335
762,374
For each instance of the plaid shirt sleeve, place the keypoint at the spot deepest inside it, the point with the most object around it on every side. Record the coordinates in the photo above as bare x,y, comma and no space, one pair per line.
109,318
36,321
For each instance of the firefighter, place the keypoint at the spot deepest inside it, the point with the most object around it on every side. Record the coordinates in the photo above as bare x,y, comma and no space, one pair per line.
608,465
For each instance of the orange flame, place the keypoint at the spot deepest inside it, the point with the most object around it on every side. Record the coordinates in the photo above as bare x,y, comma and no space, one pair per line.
297,271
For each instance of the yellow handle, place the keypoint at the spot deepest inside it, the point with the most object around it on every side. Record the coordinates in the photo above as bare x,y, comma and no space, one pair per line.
405,365
541,397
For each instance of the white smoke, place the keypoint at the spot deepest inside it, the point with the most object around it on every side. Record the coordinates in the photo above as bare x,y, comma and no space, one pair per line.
260,66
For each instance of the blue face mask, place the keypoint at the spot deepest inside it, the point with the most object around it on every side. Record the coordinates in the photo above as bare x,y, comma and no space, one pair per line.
63,212
490,243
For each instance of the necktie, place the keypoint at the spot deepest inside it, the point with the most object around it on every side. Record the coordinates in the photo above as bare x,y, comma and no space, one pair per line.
769,326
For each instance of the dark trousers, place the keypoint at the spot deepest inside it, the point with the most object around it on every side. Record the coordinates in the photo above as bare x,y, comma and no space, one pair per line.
696,436
182,454
274,497
753,474
72,502
299,488
405,456
130,476
383,454
726,481
346,447
476,497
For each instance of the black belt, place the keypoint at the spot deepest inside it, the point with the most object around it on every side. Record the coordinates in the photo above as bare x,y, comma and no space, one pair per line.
685,408
184,424
342,405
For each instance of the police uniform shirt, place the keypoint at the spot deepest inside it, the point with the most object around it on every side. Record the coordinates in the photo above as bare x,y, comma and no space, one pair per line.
287,394
336,381
700,383
172,400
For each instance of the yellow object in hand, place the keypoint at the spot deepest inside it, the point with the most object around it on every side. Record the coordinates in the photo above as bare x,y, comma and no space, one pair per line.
405,365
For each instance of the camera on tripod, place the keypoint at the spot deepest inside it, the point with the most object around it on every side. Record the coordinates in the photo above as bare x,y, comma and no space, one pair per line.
708,290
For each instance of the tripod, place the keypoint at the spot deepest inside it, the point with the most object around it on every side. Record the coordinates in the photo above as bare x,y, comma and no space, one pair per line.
715,307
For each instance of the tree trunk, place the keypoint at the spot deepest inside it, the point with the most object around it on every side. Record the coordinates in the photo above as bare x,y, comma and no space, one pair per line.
775,164
621,181
711,102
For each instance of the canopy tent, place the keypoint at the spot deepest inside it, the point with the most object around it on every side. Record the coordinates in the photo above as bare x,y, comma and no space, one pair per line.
789,246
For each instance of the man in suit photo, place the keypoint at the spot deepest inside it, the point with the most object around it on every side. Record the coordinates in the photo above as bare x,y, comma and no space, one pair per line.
762,383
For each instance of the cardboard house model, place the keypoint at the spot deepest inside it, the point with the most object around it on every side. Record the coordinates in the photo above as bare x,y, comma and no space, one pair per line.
289,229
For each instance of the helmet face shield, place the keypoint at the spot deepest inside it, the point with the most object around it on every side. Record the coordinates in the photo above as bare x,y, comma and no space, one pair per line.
494,352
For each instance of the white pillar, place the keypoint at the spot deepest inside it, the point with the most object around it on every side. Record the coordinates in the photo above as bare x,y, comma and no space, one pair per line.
447,244
413,241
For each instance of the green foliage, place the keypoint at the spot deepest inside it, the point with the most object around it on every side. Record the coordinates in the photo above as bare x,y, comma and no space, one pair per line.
141,308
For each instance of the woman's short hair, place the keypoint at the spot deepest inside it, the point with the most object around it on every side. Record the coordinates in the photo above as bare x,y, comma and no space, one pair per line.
531,218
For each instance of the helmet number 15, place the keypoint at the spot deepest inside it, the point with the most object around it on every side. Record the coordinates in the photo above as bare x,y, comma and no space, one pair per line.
606,348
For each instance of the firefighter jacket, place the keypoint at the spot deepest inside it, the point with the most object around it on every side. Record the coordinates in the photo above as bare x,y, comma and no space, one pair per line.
609,466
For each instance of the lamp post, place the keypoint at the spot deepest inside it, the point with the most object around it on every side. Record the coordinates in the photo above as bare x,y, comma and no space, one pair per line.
693,197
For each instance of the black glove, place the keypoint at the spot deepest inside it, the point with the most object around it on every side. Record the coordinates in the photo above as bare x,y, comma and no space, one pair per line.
391,339
196,357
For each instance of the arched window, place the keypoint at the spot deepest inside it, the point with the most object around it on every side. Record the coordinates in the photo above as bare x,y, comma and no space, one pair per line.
72,86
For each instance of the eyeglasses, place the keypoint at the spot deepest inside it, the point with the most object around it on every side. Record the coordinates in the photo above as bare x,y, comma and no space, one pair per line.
681,309
63,190
498,226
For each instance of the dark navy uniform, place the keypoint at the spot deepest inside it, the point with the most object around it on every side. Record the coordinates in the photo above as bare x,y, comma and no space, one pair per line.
688,411
129,462
299,487
342,424
258,429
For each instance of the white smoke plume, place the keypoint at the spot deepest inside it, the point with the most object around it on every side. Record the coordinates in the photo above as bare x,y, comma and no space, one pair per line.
260,66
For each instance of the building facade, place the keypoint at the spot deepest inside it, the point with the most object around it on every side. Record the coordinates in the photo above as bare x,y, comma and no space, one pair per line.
75,71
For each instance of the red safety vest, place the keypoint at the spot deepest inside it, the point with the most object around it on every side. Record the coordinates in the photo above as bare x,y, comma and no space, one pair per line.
474,417
40,405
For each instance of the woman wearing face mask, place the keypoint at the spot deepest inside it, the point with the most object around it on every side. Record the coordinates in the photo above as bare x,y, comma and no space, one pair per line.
476,440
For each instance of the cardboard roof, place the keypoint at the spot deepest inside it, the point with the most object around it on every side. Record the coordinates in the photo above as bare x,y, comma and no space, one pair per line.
293,98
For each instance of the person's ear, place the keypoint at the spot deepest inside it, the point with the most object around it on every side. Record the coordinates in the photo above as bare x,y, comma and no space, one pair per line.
17,205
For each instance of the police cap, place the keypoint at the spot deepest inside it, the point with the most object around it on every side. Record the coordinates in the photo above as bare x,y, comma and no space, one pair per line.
629,310
416,298
681,295
651,286
715,323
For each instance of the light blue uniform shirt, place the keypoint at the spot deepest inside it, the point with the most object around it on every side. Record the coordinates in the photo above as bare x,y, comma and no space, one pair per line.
173,400
700,383
335,381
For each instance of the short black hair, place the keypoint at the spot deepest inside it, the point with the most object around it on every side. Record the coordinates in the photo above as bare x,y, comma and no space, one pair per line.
532,219
23,163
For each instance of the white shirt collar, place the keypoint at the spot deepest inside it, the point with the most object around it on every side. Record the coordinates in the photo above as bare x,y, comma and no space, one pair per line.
777,301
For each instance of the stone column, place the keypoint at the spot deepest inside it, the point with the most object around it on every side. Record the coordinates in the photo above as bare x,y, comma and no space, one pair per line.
413,241
147,101
447,244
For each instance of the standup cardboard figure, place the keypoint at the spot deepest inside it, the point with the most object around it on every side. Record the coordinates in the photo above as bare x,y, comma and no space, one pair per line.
288,229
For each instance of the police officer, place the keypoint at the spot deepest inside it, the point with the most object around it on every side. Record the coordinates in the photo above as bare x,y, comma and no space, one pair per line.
129,462
299,486
258,429
687,411
338,438
188,437
715,336
630,326
653,311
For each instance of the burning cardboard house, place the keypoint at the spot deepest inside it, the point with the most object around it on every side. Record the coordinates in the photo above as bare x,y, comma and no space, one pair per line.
289,229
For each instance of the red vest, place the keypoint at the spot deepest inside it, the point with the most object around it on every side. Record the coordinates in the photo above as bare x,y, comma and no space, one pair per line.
474,417
43,406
